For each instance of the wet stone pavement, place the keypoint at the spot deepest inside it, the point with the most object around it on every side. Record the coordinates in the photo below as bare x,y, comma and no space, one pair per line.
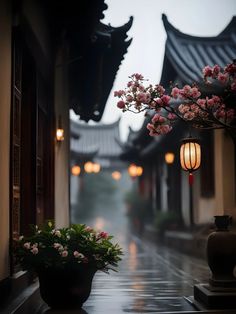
151,278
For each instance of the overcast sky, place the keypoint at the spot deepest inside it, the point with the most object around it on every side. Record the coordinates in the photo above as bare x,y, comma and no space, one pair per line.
146,52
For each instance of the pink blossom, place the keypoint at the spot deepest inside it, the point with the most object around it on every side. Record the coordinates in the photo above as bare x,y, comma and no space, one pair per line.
152,104
151,129
223,77
64,253
233,86
230,114
143,97
165,99
171,116
88,229
195,93
121,104
214,101
158,119
159,101
141,88
137,76
56,245
160,89
129,98
220,113
76,254
103,235
165,128
175,92
215,70
195,109
207,71
183,108
35,250
119,93
27,245
202,103
187,89
130,83
57,233
230,68
189,115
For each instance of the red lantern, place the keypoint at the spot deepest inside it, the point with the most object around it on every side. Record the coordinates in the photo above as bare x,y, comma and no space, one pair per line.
190,156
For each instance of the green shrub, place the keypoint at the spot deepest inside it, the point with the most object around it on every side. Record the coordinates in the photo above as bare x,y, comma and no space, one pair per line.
166,220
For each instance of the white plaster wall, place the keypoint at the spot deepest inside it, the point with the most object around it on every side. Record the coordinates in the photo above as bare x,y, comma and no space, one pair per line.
204,208
74,189
5,102
62,152
185,198
223,201
224,174
164,189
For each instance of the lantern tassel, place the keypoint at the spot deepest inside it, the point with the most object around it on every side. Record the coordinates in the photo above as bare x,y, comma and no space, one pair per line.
190,178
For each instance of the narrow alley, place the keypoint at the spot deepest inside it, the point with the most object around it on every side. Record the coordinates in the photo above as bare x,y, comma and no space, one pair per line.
150,279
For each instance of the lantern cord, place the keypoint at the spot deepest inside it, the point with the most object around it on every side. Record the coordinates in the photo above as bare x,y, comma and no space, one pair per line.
190,178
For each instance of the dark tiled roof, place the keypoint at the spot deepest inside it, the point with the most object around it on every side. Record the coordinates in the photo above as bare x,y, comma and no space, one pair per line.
92,75
189,54
101,138
185,56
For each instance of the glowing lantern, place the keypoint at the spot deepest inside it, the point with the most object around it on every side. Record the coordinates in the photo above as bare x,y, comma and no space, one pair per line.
132,170
59,131
88,167
169,158
139,171
96,167
190,156
75,170
116,175
135,171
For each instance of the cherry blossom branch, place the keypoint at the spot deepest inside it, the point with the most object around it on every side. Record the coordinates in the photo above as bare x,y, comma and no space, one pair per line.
209,112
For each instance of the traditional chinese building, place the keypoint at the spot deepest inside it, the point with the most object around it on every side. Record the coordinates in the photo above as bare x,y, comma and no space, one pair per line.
54,56
99,142
166,184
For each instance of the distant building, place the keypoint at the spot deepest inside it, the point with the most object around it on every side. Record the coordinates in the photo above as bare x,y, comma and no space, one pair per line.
99,143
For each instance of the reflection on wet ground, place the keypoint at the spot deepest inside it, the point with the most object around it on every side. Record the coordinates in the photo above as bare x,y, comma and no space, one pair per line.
151,278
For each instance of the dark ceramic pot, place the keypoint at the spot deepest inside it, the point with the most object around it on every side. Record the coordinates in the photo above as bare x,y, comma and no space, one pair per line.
66,288
221,253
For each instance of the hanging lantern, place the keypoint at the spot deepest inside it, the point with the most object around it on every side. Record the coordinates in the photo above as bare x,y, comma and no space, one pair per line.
132,170
135,171
88,167
116,175
75,170
59,131
190,156
139,171
169,158
96,167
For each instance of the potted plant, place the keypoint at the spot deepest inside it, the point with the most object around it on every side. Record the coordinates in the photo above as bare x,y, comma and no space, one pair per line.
66,260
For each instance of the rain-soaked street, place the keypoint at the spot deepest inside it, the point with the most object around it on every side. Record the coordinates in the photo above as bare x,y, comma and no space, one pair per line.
150,279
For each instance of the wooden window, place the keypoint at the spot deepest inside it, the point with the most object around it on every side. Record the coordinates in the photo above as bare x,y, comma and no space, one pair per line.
15,190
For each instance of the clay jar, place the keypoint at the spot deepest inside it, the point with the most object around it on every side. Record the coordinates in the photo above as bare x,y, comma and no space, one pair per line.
221,253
